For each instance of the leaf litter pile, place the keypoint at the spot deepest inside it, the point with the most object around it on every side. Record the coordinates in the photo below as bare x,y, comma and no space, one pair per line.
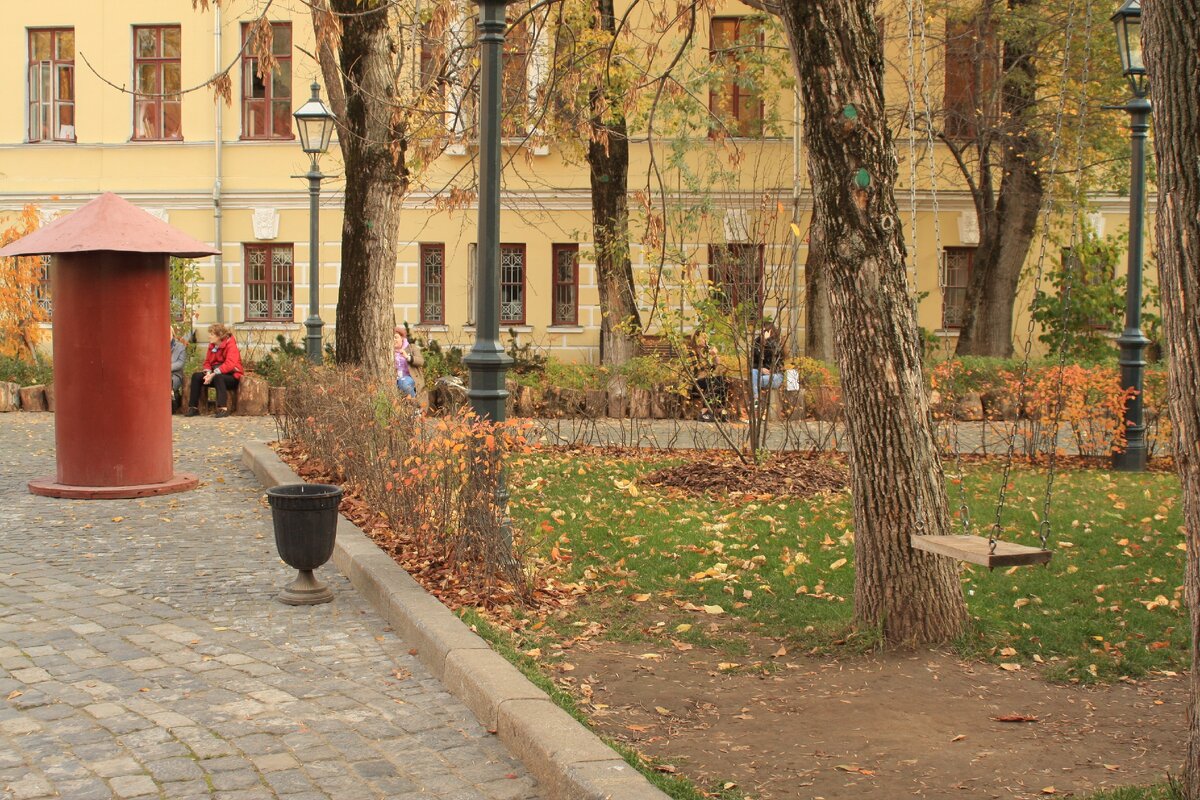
785,475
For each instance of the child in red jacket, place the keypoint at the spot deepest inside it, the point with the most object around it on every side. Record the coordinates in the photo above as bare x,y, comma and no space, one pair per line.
222,369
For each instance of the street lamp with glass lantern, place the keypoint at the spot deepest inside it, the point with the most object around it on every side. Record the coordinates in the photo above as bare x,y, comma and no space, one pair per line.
315,123
1132,342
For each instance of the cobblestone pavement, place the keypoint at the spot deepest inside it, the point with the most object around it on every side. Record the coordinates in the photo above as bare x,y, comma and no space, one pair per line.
142,652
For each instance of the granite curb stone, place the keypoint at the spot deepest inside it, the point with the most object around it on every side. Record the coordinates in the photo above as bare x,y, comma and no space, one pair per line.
569,760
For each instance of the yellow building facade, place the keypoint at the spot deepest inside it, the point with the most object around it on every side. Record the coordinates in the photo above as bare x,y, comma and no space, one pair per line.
110,95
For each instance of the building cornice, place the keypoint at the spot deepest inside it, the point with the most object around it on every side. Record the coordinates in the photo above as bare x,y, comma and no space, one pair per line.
556,200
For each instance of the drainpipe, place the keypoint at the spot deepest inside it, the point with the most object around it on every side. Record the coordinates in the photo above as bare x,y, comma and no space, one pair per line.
219,258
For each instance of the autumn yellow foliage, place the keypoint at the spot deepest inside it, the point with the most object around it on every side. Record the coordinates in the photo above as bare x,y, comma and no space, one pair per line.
21,313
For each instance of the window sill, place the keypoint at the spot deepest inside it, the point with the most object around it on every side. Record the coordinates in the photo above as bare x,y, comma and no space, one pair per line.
439,327
947,332
460,148
133,140
265,325
266,139
565,329
504,329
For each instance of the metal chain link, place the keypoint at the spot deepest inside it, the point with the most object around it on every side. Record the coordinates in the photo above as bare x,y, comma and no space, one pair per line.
1047,212
1044,529
964,510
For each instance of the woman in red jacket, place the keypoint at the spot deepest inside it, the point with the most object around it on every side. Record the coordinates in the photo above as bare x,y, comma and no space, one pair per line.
222,369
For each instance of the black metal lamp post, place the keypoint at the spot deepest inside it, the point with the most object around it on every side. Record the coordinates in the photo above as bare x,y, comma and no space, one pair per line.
1132,341
314,121
487,360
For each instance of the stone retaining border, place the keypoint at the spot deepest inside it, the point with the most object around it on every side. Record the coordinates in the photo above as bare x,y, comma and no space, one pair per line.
568,760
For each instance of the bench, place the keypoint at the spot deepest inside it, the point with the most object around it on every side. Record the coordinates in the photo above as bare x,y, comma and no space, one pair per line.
659,347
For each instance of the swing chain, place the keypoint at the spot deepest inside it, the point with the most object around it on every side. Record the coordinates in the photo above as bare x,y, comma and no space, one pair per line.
1044,526
1059,400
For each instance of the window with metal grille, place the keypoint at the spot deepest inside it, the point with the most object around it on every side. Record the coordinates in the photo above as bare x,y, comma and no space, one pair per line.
565,292
472,271
269,283
733,98
1087,270
958,263
267,98
512,284
42,290
51,85
433,284
736,274
157,104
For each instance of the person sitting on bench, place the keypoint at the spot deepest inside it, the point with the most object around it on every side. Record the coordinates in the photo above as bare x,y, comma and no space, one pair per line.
222,369
178,360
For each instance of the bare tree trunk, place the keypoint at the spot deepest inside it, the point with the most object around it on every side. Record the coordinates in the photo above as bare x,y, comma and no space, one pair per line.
1172,42
896,477
818,319
987,328
608,158
1007,226
376,181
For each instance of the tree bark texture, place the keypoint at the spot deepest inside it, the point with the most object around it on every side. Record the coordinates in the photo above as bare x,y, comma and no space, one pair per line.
1172,42
608,159
818,317
373,150
896,476
1007,223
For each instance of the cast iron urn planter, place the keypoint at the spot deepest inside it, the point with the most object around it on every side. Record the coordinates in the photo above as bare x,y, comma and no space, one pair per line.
305,517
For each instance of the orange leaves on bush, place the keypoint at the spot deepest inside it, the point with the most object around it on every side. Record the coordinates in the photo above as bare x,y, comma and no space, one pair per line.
21,309
437,481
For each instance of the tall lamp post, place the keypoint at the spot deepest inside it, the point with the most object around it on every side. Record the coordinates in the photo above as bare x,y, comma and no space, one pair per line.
1132,341
315,122
487,360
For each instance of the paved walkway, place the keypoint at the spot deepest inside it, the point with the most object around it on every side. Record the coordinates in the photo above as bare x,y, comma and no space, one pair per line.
142,653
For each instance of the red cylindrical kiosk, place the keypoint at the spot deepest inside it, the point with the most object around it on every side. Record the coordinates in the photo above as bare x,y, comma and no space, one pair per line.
109,276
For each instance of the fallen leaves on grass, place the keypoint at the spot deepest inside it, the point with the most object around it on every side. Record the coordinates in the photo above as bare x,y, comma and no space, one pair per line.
787,474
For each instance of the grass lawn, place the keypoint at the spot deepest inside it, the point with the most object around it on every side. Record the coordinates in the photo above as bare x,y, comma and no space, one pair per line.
659,563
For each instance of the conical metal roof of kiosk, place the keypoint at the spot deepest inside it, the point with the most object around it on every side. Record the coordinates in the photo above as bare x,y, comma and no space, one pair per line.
108,223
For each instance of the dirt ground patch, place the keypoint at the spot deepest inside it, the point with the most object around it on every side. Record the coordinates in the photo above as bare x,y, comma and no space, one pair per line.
900,725
786,474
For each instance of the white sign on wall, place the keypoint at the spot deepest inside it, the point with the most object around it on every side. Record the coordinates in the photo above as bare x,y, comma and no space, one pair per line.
968,228
266,223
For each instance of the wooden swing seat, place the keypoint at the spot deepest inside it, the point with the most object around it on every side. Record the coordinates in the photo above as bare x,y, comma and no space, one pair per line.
977,550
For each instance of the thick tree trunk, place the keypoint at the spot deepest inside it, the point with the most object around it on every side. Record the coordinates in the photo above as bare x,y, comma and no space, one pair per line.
608,158
1007,226
896,477
1172,41
376,182
987,327
818,317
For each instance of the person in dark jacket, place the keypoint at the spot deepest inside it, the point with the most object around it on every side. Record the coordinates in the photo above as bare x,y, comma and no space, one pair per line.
222,369
766,360
709,391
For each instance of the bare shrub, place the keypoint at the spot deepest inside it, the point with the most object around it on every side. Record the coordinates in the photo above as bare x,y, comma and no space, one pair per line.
438,482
